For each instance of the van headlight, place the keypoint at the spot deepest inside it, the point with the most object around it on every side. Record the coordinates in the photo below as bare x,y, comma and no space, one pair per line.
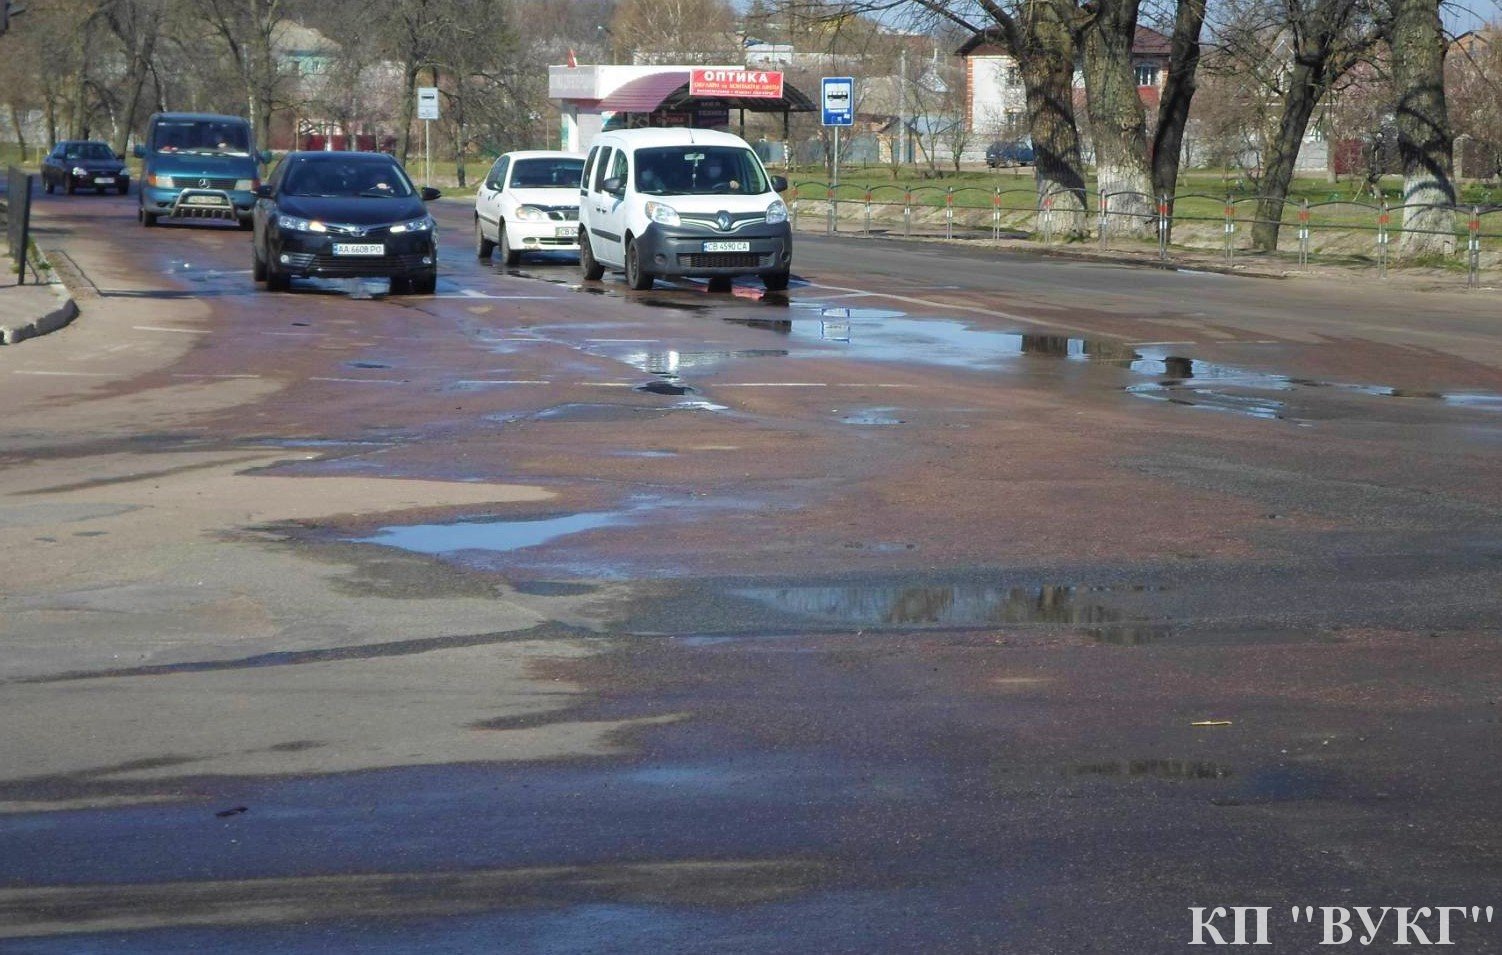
777,212
530,214
294,224
662,213
161,182
80,171
425,224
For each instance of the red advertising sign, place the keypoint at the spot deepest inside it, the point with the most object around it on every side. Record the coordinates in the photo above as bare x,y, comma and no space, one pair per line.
748,84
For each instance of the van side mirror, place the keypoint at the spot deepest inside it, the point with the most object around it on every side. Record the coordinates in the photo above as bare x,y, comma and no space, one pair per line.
429,194
139,151
779,183
263,191
615,185
264,155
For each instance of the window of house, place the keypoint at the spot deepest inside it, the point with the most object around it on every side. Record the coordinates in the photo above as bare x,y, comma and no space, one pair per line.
1147,74
1011,76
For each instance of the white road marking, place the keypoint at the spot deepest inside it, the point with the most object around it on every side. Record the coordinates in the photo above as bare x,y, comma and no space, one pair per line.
163,328
502,381
607,384
298,334
773,384
471,294
1145,344
69,374
952,306
623,340
214,376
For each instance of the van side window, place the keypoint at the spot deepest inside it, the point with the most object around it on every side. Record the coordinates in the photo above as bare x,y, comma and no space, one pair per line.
601,168
618,170
589,169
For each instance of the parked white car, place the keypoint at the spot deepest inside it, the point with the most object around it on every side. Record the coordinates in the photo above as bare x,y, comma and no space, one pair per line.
529,202
682,202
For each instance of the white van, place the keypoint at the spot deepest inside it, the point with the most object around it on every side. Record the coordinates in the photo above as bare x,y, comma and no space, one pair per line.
682,202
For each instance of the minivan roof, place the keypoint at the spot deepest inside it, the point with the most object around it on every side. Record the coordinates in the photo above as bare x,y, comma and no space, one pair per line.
671,136
215,117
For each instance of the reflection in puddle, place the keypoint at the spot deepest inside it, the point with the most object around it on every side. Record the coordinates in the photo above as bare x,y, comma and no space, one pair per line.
671,362
491,535
1157,768
873,416
954,605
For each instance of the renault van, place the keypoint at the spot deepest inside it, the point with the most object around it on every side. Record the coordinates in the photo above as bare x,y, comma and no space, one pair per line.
198,166
682,203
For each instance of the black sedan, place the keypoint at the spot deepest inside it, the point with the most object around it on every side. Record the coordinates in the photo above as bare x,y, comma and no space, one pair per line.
76,164
344,215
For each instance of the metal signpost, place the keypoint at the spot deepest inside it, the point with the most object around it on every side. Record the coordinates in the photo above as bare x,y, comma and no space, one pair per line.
427,111
839,110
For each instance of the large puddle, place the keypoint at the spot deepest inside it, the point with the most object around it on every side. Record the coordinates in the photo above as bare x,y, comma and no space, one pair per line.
940,605
497,536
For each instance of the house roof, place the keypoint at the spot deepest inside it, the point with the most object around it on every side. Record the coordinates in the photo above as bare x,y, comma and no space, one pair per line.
1147,42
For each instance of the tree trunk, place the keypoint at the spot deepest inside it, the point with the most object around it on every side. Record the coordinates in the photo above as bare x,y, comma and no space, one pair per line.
1116,121
1424,137
1305,87
15,120
1178,92
1045,58
408,109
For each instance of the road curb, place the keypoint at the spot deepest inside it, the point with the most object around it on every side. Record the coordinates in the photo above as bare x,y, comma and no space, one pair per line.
59,317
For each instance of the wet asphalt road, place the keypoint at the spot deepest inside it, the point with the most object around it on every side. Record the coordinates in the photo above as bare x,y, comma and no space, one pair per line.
953,602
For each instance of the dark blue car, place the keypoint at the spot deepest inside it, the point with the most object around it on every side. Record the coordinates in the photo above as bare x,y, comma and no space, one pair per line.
1018,153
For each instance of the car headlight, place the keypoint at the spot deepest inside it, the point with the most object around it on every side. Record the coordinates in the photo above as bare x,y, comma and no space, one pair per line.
80,171
662,213
425,224
161,182
245,185
295,224
530,214
777,212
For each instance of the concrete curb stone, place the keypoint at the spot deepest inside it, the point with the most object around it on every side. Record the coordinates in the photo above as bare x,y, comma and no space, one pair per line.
66,310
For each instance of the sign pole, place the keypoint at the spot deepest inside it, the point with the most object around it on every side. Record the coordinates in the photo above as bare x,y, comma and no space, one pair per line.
427,152
837,155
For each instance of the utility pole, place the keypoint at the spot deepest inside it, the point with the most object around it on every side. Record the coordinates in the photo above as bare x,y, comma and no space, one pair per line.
902,105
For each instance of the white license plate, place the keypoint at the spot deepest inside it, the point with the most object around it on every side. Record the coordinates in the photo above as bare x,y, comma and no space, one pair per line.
727,247
104,181
565,232
205,201
359,248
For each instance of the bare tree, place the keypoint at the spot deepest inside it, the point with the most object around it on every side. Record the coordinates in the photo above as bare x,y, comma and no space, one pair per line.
1423,123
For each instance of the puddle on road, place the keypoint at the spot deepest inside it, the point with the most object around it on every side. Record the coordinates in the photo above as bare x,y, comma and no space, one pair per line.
873,416
497,536
581,412
366,364
953,605
664,387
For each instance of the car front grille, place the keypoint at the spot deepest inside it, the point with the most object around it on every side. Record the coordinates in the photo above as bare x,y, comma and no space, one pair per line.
355,266
563,213
200,182
720,260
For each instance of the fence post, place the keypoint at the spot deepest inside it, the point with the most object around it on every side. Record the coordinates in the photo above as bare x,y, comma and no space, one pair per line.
1102,223
1230,229
793,210
1304,232
1163,227
1046,214
949,213
832,204
868,212
996,215
1473,248
1382,220
907,212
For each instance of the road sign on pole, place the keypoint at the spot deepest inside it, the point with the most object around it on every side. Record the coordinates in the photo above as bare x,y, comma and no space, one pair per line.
839,101
427,102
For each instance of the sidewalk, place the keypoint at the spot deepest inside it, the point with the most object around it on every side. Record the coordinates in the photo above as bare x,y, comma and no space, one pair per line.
30,310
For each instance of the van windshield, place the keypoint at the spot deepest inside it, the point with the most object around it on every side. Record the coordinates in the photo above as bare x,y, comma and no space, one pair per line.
699,171
202,137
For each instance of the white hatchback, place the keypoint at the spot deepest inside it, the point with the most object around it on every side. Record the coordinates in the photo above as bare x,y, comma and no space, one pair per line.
529,202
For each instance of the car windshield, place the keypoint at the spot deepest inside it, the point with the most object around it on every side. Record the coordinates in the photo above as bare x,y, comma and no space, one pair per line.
348,178
202,137
547,173
88,151
699,171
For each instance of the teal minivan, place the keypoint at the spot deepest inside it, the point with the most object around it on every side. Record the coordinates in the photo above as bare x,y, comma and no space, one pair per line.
198,166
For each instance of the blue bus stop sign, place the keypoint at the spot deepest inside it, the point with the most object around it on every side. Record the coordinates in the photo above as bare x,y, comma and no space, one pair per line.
839,101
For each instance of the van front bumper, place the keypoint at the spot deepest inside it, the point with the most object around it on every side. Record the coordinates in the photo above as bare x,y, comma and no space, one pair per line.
227,204
675,250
